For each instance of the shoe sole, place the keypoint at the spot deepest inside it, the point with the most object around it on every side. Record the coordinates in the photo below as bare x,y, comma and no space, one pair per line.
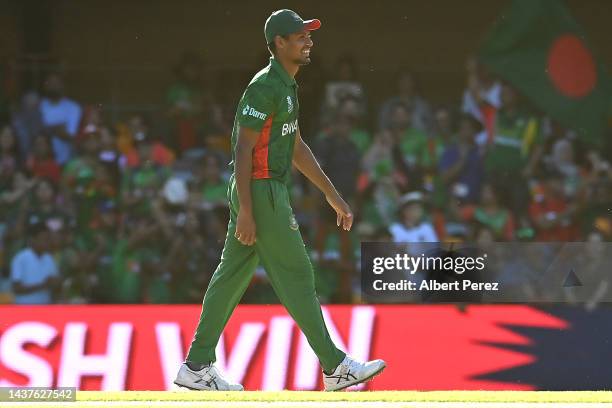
365,380
189,388
199,389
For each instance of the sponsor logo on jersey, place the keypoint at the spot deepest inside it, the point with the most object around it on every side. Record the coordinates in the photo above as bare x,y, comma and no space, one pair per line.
248,110
289,104
290,127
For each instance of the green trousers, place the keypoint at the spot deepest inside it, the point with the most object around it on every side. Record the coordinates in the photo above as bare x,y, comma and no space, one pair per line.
281,250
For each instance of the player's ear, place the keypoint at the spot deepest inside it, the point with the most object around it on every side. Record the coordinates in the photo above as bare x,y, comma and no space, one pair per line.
280,42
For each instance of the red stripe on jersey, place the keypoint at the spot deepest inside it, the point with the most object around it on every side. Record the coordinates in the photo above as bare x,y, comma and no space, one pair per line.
261,169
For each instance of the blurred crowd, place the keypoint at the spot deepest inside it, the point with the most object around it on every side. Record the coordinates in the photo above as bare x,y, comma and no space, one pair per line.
135,211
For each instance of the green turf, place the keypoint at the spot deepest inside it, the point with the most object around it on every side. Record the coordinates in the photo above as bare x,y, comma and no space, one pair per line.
385,396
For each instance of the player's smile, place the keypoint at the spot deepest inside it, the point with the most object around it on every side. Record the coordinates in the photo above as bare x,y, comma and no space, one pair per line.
306,55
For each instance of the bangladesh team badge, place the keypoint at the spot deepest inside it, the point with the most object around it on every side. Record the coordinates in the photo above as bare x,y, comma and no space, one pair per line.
293,223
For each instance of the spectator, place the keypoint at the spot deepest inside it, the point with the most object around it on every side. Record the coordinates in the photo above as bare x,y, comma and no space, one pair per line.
93,248
79,178
410,151
211,188
61,117
186,261
170,210
41,161
443,123
491,214
349,109
28,123
409,95
44,206
13,192
148,169
185,102
515,150
412,226
439,141
552,215
562,160
13,213
91,121
598,194
130,260
379,189
482,97
139,144
109,156
461,166
8,152
34,274
345,84
85,255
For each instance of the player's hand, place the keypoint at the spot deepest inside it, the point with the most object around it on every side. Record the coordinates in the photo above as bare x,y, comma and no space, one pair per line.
344,215
245,228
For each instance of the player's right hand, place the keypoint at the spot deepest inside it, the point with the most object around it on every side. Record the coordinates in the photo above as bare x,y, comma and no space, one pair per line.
245,228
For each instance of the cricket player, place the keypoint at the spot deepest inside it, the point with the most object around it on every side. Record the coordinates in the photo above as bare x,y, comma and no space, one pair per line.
266,142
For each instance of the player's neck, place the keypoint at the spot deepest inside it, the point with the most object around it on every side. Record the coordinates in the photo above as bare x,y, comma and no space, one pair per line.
290,67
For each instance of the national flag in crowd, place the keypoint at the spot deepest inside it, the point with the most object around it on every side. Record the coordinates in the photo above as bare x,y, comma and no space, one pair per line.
538,47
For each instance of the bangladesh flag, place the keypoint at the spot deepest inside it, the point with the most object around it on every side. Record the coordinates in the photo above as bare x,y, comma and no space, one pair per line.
538,48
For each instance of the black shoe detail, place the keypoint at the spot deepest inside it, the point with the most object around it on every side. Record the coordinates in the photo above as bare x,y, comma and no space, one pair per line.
213,382
208,383
364,380
345,377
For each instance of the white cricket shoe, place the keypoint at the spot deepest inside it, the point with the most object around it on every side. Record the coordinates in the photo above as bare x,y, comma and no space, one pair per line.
351,372
207,379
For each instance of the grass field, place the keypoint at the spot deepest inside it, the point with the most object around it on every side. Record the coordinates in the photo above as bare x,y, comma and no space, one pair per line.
413,399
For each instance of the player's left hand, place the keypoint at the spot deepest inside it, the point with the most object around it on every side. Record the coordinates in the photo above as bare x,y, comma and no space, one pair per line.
344,215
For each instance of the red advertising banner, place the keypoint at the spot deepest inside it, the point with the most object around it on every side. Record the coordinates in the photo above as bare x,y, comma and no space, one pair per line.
141,347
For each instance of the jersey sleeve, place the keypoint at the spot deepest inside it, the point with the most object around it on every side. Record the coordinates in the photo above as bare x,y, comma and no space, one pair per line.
256,107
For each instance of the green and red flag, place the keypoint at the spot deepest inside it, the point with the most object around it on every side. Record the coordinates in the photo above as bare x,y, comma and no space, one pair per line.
539,48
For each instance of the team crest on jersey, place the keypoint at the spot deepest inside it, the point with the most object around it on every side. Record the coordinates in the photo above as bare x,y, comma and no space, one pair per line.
289,104
293,223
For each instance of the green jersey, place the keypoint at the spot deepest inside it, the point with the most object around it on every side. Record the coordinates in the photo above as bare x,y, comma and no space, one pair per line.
515,137
269,106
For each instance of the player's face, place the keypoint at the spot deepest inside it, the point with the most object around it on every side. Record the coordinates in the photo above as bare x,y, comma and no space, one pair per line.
298,47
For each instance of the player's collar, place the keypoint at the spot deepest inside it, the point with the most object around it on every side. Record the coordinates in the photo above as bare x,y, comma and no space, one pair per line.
287,79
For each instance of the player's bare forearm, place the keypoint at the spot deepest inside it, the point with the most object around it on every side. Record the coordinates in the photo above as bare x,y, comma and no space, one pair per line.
245,223
307,164
305,161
